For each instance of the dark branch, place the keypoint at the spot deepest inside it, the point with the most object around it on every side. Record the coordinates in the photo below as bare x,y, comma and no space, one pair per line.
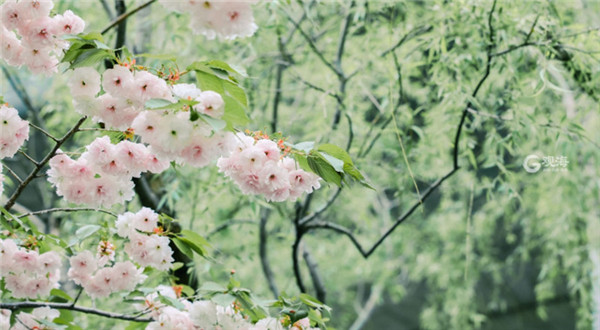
313,270
68,306
76,209
262,248
12,200
123,16
366,253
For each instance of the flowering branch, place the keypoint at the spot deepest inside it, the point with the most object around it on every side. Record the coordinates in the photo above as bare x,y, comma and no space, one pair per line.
39,165
68,306
76,209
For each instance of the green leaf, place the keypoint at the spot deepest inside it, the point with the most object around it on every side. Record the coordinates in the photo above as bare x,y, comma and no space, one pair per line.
61,294
302,162
306,146
84,232
236,92
336,152
209,82
91,57
212,287
157,104
223,299
235,113
337,164
322,168
171,302
313,302
216,123
183,247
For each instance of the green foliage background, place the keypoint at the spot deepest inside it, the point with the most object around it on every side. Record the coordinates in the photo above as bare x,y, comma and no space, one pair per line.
495,247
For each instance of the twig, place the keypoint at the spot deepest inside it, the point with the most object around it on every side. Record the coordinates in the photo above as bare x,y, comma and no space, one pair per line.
262,248
410,35
12,173
76,209
41,164
126,15
44,132
367,252
312,45
77,296
305,220
68,306
227,224
35,162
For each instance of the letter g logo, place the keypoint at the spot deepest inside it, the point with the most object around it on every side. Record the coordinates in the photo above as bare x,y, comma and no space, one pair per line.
531,164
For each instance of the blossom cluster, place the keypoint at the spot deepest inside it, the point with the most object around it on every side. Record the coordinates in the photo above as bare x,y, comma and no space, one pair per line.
257,166
103,174
124,97
27,273
26,321
87,270
205,314
37,43
217,18
13,131
144,247
175,136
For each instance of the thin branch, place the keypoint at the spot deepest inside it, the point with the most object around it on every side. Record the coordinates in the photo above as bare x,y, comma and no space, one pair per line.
367,252
12,173
224,226
76,209
312,46
305,220
488,66
126,15
262,248
41,164
29,158
313,270
44,132
410,35
68,306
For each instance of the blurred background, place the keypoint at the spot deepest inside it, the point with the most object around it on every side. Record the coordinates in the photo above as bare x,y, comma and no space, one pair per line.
494,247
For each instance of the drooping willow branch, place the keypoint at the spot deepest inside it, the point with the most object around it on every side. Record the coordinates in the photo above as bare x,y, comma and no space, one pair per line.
72,307
434,186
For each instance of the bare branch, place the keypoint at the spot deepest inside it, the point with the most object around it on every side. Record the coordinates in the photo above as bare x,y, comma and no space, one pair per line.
262,248
126,15
408,36
12,173
366,253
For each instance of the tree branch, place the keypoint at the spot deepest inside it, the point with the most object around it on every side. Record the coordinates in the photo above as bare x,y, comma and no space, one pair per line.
76,209
68,306
262,248
11,201
488,66
313,270
123,16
